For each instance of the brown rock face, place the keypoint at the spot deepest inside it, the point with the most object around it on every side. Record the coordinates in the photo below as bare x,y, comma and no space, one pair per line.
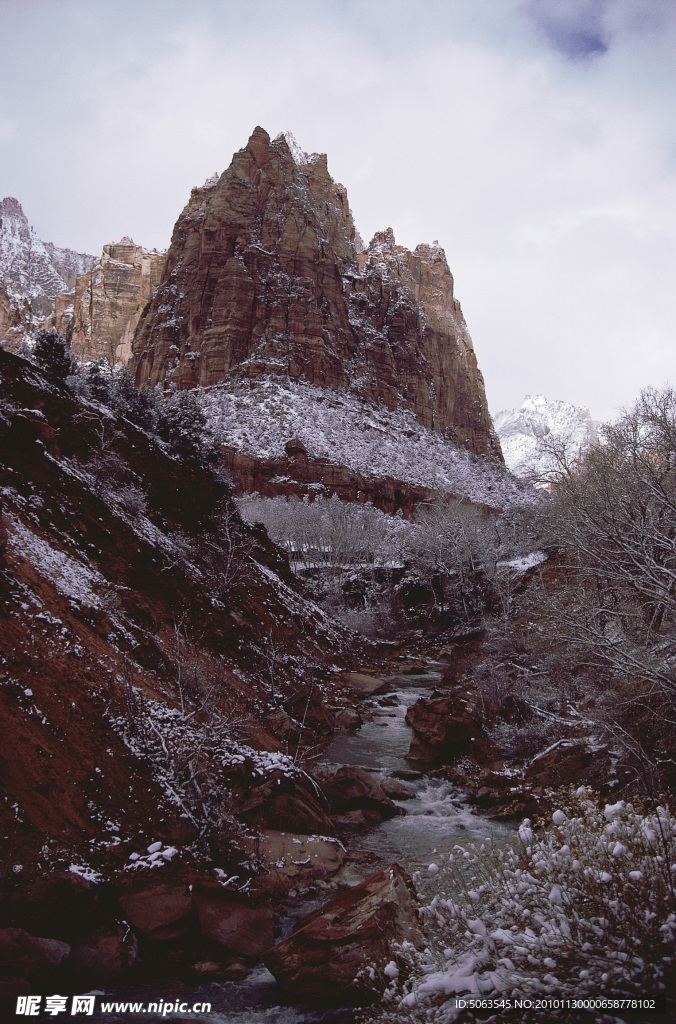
443,727
234,921
15,320
263,276
329,952
100,316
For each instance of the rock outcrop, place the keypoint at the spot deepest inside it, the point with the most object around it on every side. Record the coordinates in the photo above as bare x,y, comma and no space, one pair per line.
16,320
341,949
32,271
264,276
100,316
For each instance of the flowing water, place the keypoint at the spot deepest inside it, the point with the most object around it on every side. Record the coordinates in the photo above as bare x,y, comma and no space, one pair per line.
435,819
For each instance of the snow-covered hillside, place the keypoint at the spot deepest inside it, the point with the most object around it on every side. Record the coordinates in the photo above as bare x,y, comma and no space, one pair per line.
33,270
348,431
522,430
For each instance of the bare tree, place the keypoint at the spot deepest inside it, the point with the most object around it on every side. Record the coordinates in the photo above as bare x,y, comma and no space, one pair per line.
614,510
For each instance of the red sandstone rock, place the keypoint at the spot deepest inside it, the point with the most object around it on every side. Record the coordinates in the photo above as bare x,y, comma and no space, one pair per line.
263,276
105,954
158,910
444,727
27,956
351,788
229,918
329,952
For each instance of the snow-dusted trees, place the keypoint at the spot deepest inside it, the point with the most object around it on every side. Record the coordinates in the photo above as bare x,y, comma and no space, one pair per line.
328,531
581,909
614,510
457,546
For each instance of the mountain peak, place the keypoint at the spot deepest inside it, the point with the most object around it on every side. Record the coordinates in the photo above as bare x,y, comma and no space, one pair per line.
521,430
265,276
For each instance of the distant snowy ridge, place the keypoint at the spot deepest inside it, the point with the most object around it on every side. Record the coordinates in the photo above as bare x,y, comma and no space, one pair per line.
521,432
31,269
344,429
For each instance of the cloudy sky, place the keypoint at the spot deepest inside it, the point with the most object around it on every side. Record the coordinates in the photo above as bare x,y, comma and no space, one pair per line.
535,139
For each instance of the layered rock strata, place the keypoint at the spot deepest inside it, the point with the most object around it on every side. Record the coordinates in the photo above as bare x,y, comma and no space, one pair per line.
100,316
264,275
29,268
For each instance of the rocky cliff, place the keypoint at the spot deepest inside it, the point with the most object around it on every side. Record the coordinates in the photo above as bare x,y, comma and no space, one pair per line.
99,317
32,272
264,276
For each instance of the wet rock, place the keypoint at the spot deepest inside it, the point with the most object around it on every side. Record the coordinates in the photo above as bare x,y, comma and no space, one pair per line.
395,790
283,803
105,954
407,773
351,789
10,990
30,957
365,685
568,762
233,920
160,911
444,727
291,859
348,720
329,952
209,970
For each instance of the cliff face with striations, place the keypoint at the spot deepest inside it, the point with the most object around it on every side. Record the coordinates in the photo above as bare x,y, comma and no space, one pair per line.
99,317
264,276
32,273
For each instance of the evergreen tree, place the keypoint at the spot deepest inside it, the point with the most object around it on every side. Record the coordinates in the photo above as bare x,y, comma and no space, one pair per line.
181,423
51,354
135,404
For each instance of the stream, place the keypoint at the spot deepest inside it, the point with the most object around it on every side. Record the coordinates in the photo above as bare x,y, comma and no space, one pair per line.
436,818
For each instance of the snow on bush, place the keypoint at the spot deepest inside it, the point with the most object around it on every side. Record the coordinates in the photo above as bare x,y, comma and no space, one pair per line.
349,431
582,908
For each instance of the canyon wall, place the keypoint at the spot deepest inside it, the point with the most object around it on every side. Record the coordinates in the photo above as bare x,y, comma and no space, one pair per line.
265,275
99,317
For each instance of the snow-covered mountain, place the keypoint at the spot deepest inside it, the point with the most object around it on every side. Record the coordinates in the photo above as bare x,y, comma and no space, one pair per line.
521,432
32,271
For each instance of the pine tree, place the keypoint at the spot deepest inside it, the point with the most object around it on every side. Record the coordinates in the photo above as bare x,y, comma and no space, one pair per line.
51,354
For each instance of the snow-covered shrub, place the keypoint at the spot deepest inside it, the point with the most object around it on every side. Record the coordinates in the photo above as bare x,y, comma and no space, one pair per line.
582,908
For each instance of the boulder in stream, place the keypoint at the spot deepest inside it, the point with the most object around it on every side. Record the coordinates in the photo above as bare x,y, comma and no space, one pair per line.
232,920
286,804
340,950
352,789
444,727
290,859
396,790
364,685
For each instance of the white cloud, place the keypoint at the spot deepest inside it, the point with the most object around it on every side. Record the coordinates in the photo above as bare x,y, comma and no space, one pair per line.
549,181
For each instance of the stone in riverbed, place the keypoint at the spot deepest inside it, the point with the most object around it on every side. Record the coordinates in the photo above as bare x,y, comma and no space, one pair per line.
351,788
286,804
329,952
105,954
365,685
291,859
395,790
444,727
160,910
233,920
29,956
